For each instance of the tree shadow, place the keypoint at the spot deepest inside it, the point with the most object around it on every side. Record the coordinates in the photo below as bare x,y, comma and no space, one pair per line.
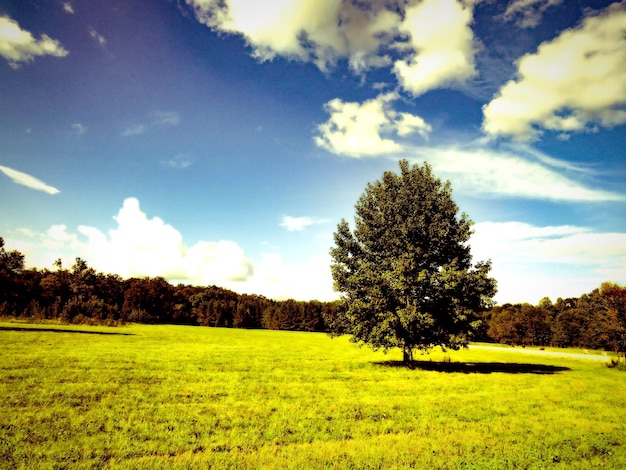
61,330
477,367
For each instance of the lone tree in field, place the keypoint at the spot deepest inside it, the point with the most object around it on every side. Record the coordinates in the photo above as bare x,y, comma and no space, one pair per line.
406,273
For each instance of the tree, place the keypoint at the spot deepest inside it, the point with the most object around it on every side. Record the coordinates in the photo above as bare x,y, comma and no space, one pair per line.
614,300
11,267
405,274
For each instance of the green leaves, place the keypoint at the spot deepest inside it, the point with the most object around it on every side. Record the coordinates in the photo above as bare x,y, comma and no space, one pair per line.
405,273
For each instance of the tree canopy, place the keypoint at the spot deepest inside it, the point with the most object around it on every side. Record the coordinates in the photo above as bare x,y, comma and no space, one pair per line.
405,273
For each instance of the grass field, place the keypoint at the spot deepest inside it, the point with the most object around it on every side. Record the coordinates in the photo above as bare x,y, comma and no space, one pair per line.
191,397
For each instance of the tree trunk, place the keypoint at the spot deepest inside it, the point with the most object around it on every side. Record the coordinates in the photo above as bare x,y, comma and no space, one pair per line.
407,356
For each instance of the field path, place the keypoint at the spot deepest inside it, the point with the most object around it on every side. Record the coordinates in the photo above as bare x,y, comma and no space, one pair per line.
591,357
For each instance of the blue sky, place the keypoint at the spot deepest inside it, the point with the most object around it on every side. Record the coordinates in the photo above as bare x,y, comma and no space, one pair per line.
214,142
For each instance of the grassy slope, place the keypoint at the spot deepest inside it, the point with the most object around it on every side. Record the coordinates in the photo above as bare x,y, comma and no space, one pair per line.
185,397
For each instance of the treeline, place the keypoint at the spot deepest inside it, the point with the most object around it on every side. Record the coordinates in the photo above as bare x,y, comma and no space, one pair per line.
596,320
82,295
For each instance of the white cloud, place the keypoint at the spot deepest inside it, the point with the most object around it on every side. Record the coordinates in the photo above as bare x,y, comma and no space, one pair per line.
307,280
166,118
442,46
135,129
296,224
79,128
307,30
432,36
99,38
141,246
28,180
573,83
409,123
364,129
180,161
516,171
533,262
57,237
18,45
67,8
157,119
509,173
527,13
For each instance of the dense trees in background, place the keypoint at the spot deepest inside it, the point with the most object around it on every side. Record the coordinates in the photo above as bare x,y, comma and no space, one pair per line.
596,320
79,294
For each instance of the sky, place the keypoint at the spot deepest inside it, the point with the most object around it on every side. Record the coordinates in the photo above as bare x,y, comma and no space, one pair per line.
220,142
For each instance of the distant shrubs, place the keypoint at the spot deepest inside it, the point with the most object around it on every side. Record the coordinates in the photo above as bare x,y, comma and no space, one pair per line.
92,310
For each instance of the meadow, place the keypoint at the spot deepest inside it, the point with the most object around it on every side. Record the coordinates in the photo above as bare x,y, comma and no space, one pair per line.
167,397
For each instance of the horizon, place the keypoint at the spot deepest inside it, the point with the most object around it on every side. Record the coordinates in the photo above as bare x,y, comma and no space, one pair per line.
220,143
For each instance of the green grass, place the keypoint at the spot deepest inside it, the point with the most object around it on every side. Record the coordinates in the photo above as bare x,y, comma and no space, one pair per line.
190,397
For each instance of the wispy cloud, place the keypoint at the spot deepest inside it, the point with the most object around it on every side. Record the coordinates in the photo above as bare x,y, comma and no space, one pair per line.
79,129
298,224
166,118
67,8
18,45
507,172
527,13
99,38
135,129
180,161
157,119
27,180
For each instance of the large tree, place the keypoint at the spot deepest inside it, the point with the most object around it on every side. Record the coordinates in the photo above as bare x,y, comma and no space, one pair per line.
405,273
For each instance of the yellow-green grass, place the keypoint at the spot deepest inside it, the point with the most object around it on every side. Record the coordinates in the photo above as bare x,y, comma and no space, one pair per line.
192,397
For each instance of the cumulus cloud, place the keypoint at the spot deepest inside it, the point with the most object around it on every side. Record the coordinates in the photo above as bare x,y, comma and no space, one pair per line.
575,82
366,129
67,8
441,44
373,129
57,237
142,246
28,180
306,30
18,45
527,13
432,37
532,262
